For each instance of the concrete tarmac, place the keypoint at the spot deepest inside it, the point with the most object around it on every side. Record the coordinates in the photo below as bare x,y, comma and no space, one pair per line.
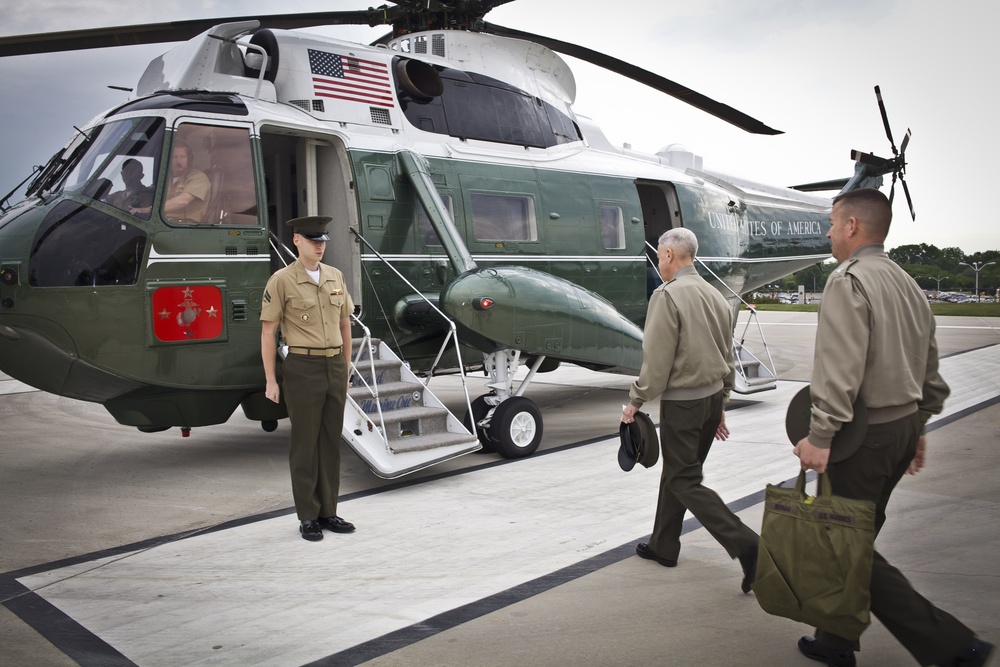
78,491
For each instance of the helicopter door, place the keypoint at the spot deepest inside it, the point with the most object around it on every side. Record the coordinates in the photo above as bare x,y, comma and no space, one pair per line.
661,211
312,176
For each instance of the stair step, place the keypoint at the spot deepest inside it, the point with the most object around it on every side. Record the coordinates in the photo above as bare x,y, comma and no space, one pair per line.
427,441
411,414
358,342
386,370
385,389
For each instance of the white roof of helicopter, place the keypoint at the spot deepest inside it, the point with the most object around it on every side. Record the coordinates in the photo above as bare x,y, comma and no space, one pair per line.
211,61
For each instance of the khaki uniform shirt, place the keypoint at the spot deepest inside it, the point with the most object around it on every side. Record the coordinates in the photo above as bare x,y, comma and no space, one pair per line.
308,314
196,183
687,345
875,340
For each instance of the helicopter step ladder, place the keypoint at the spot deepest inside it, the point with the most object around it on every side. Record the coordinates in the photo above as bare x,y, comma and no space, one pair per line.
751,374
392,419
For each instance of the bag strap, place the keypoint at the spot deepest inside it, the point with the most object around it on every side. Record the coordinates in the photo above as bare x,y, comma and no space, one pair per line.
824,487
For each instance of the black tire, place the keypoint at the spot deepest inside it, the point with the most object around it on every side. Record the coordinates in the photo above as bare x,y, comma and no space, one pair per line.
479,409
516,428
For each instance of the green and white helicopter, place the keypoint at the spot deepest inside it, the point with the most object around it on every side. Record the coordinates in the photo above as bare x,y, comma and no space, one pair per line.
481,223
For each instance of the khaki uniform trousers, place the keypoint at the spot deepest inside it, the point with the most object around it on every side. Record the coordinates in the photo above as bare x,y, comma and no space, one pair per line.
687,431
315,390
934,637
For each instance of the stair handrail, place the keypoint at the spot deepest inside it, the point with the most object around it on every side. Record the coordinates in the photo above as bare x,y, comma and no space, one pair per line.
452,332
750,309
366,344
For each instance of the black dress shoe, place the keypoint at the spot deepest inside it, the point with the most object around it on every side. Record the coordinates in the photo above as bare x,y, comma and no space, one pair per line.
748,559
975,654
336,524
311,531
643,551
813,650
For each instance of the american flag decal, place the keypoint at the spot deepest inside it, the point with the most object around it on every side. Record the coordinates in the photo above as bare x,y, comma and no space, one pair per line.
349,78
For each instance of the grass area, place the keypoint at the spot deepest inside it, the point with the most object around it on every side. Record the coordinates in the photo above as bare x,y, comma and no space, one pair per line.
939,309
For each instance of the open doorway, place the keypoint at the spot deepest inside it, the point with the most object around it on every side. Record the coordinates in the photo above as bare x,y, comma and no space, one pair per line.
311,175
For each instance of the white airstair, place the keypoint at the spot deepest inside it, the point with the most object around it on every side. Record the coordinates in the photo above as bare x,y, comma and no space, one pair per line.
393,421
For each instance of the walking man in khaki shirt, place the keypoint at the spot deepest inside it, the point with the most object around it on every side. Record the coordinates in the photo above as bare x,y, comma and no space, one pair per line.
688,362
309,301
875,340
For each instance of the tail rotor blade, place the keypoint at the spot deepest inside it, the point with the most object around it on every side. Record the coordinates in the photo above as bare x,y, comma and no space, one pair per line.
909,201
885,120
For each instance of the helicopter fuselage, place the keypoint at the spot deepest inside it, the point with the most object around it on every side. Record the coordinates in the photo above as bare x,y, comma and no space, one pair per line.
468,174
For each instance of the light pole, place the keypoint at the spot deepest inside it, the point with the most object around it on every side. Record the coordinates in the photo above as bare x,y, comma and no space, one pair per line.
977,267
938,279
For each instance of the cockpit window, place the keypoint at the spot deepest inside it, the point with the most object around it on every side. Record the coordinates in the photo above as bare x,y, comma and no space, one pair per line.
119,164
211,179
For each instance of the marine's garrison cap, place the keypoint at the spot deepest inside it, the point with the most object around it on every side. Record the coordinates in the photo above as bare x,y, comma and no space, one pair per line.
313,227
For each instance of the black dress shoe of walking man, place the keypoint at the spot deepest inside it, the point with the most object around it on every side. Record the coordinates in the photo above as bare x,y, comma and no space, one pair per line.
813,650
643,551
976,654
336,524
748,559
311,531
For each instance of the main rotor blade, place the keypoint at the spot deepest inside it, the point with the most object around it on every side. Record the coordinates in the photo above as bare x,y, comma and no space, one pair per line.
885,119
683,93
173,31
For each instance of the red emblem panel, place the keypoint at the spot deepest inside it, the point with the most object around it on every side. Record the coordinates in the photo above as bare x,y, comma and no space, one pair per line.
191,312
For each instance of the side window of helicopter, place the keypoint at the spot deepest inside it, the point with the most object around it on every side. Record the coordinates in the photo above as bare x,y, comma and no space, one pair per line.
424,223
210,179
503,217
612,227
475,106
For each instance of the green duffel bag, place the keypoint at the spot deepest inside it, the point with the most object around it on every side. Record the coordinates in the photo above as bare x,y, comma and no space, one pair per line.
815,559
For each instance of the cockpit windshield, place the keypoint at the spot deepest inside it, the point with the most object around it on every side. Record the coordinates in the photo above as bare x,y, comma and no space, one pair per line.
115,163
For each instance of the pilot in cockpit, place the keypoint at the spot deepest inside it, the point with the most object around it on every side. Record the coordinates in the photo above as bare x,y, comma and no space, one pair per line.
135,195
188,189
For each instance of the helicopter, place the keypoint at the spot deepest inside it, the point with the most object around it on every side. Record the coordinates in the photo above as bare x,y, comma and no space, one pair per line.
480,222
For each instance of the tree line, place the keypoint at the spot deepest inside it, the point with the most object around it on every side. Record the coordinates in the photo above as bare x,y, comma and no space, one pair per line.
934,269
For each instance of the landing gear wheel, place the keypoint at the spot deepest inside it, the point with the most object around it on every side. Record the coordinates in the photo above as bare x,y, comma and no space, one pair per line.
516,428
479,409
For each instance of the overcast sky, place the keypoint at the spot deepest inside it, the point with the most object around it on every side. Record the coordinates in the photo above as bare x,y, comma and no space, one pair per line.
807,67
